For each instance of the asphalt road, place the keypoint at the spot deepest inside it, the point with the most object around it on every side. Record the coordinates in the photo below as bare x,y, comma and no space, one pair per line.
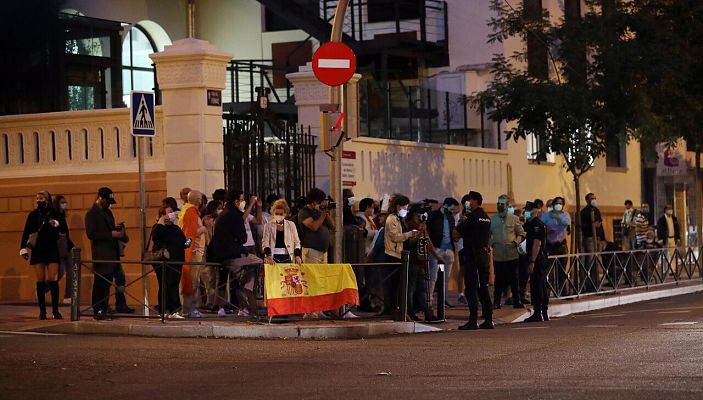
646,351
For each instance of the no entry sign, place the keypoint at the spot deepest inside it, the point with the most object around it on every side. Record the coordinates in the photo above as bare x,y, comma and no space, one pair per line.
334,63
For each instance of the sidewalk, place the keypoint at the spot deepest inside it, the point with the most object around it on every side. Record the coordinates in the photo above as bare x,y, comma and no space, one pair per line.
23,319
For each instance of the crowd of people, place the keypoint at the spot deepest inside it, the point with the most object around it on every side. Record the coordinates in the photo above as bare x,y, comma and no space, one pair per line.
240,234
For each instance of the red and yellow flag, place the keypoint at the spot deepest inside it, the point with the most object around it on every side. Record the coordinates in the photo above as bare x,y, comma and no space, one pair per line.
307,288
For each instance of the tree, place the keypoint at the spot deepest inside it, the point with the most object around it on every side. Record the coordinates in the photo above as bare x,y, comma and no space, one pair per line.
571,110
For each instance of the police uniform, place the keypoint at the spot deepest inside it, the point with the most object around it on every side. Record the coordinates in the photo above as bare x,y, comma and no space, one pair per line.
476,231
537,230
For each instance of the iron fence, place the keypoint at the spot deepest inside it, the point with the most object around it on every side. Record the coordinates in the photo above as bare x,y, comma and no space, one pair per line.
577,275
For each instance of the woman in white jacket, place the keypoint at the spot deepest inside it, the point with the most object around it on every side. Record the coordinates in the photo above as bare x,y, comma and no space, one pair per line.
280,241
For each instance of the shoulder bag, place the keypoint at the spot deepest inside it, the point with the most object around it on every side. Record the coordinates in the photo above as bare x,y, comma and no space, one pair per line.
155,255
32,239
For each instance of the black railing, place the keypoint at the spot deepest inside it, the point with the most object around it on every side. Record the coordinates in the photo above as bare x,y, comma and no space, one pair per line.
245,76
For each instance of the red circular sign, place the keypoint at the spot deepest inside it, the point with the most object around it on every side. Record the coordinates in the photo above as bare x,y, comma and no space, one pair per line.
334,63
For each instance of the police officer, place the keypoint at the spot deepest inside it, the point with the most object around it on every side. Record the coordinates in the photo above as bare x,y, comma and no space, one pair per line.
536,239
476,231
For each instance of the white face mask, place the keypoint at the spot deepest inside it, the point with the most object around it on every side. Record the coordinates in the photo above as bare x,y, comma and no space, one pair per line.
403,212
467,205
173,217
242,206
558,207
219,211
278,218
550,208
670,212
593,203
352,201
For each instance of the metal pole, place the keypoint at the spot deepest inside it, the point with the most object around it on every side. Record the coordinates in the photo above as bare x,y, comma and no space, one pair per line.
404,272
441,292
76,285
336,96
142,219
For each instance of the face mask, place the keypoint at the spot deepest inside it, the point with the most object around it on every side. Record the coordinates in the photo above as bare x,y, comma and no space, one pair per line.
278,218
351,200
511,210
219,211
549,209
558,207
41,205
670,212
173,217
64,206
403,212
242,206
593,203
501,207
528,214
467,206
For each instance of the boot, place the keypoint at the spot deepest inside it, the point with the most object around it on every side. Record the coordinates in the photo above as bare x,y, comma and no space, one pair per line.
545,315
472,325
487,324
41,290
54,288
535,317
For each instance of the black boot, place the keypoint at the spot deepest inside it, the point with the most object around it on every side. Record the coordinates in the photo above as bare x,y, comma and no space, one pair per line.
487,324
535,317
54,288
472,325
41,290
545,315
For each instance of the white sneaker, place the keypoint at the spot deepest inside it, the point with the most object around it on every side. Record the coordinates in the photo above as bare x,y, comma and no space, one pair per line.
244,312
350,314
176,315
221,313
195,314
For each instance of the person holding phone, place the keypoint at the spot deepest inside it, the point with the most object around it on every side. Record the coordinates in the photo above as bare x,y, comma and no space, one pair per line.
167,235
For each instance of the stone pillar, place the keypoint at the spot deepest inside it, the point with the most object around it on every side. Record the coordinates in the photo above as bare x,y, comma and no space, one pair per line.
309,95
192,129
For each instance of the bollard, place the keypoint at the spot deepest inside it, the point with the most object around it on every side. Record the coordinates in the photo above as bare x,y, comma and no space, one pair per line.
162,300
441,292
76,284
404,271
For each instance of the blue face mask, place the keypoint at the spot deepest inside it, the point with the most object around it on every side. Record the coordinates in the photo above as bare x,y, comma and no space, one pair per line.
511,210
528,214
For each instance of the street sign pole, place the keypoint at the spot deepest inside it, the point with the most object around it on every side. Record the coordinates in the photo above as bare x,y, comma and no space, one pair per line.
143,124
335,97
142,211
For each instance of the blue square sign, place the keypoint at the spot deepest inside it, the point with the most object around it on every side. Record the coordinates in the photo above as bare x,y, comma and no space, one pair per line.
143,118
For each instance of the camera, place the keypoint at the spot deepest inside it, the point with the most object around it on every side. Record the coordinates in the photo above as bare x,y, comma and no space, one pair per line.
423,217
329,204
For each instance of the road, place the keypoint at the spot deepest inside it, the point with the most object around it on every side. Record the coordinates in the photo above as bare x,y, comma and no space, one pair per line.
650,350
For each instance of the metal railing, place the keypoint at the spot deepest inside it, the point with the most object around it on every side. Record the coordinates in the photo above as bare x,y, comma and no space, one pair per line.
78,264
583,274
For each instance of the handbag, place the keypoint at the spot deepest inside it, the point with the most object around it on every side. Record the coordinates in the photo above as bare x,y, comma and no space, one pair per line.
32,239
155,255
62,244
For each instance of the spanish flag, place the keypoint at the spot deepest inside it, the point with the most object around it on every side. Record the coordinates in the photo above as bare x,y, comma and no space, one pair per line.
307,288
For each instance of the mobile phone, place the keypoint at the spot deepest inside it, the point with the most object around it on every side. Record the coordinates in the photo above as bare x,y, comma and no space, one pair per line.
188,242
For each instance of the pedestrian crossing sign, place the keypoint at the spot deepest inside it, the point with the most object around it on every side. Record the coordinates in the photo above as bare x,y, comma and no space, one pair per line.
142,113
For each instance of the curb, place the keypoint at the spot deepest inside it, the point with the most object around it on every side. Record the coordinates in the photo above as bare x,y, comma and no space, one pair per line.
254,331
566,309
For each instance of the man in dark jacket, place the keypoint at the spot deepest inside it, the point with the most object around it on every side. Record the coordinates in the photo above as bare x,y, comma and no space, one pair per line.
104,238
669,233
593,237
440,225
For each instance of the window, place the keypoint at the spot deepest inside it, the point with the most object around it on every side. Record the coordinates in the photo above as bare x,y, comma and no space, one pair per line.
534,145
616,155
384,10
137,69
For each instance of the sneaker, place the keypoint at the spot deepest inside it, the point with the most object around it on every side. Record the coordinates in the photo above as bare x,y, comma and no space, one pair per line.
195,314
221,313
462,300
350,315
244,312
66,300
175,315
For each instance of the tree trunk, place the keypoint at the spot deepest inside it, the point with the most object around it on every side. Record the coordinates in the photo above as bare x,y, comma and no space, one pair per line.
577,215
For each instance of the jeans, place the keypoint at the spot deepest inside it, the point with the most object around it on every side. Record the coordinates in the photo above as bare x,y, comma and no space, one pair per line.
192,301
448,256
506,275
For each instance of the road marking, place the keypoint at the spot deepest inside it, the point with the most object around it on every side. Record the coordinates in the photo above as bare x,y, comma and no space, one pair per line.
530,327
31,333
674,312
678,323
605,315
600,326
333,63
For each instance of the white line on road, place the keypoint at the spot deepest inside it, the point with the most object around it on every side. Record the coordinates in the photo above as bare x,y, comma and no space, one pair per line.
674,312
30,333
600,326
333,63
678,323
530,327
